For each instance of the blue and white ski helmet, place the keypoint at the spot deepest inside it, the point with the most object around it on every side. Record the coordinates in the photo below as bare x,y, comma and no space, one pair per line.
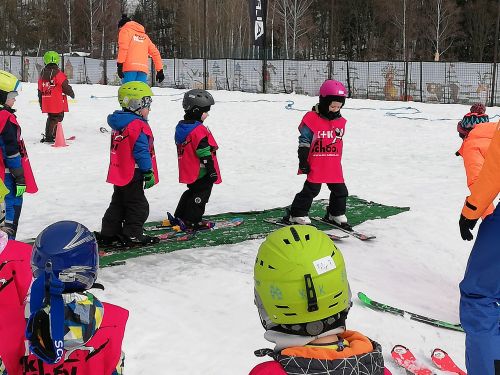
70,251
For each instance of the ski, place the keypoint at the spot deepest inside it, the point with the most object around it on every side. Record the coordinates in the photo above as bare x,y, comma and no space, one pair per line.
419,318
444,362
351,232
405,358
167,237
219,224
283,223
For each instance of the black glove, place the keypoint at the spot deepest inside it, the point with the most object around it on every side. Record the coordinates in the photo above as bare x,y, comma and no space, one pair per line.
303,164
160,76
119,68
208,162
466,225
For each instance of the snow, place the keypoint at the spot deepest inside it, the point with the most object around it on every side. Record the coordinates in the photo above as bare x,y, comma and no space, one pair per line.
192,311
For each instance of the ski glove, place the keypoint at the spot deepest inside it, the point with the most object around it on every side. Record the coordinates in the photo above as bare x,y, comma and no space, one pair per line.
20,189
208,162
303,153
119,68
466,226
149,179
160,76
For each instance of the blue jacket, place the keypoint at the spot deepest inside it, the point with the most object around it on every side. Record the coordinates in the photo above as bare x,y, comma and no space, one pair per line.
118,120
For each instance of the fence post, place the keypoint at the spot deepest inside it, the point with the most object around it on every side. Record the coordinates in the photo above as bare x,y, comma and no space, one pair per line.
22,66
368,80
421,88
283,71
205,73
493,84
62,62
405,98
348,79
227,78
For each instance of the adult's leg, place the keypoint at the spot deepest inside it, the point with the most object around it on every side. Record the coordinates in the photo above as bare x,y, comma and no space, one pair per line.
303,200
480,300
338,199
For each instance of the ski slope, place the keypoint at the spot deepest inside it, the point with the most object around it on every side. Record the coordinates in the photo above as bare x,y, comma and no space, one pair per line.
192,311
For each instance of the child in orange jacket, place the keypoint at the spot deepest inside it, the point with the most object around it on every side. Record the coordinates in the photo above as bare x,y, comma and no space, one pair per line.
476,132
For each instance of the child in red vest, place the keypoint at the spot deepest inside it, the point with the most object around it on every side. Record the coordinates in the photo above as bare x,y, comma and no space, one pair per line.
320,156
59,327
196,156
132,168
303,298
15,169
53,87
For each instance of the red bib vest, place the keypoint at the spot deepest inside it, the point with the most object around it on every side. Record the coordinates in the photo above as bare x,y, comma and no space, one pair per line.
122,163
53,99
31,186
99,356
189,163
325,154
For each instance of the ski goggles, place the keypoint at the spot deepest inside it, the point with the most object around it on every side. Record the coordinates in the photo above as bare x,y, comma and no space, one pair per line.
45,328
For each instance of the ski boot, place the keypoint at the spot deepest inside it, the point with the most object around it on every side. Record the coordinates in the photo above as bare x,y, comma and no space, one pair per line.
340,221
141,239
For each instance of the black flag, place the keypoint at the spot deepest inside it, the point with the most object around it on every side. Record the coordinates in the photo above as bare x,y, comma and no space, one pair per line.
258,11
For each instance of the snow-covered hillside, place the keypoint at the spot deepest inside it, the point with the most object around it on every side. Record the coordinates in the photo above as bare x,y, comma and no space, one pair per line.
191,311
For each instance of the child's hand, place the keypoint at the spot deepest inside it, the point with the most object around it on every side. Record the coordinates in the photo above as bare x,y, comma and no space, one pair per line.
149,179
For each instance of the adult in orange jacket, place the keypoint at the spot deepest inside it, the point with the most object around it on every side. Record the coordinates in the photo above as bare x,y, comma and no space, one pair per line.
480,287
476,132
134,48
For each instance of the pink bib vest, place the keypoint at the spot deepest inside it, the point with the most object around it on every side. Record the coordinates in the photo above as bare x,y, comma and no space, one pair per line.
99,356
121,162
53,98
15,274
31,186
189,163
325,154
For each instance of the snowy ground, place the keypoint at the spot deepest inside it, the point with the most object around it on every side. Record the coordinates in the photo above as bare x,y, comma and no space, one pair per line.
192,311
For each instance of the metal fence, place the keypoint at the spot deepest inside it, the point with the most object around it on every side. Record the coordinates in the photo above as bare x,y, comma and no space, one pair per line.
429,82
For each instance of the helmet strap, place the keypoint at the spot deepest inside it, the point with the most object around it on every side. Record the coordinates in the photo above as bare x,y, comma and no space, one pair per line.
46,311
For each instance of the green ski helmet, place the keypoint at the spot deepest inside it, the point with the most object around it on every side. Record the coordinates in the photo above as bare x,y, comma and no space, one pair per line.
9,86
51,57
135,95
301,285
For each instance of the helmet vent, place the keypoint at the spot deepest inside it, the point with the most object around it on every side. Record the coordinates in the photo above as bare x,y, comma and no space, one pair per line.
270,267
307,237
335,304
295,235
285,240
262,263
290,314
337,295
282,307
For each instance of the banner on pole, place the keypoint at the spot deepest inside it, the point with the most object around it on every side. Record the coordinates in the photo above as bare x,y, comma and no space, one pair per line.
258,11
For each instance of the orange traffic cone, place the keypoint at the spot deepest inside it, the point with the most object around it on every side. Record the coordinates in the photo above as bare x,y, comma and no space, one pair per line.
60,140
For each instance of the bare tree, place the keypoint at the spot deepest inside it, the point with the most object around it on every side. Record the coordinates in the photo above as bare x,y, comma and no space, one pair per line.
294,15
440,24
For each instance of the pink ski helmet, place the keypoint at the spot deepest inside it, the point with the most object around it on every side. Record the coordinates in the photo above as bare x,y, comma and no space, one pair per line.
332,88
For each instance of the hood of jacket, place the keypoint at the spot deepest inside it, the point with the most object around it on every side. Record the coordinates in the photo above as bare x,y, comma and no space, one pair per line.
135,26
183,129
49,71
119,119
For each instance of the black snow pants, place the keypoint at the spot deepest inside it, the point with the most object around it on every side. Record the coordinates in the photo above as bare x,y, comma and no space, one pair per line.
191,206
303,200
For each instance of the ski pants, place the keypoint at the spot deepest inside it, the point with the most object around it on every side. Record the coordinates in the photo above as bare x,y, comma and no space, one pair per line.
128,210
51,124
191,206
134,76
480,300
303,200
13,206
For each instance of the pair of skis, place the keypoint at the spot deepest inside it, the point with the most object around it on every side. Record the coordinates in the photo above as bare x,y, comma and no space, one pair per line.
405,359
336,237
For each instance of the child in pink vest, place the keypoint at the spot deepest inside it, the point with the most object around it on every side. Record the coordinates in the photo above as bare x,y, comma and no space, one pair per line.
15,168
196,156
303,298
53,89
132,168
66,329
320,155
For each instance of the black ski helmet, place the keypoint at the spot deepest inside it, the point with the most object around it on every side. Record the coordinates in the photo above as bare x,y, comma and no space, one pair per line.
197,98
